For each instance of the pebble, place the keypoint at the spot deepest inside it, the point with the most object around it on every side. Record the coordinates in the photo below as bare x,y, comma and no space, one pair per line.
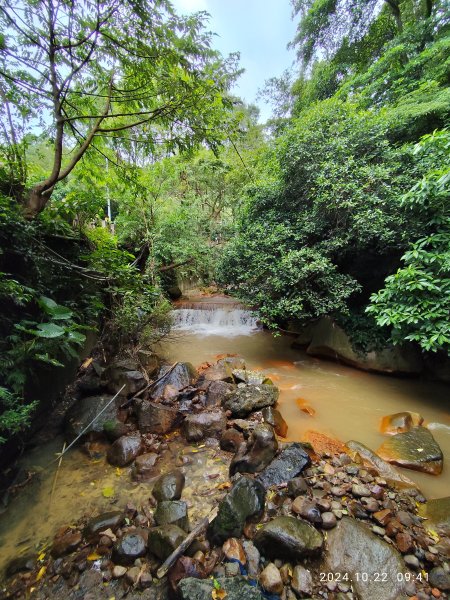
119,571
302,581
132,575
324,505
337,491
404,518
412,561
438,578
393,527
232,569
146,580
329,520
378,530
371,504
253,558
377,492
404,542
383,516
286,573
232,548
270,579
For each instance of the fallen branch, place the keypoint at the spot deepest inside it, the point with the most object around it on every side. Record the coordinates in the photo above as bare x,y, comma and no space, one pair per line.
198,529
175,265
148,387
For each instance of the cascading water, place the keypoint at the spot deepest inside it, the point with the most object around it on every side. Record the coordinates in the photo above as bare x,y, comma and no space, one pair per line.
210,320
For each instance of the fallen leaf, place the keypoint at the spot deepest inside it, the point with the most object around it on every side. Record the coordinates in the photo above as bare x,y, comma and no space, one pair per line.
118,472
86,363
41,573
108,492
94,556
218,594
224,486
41,556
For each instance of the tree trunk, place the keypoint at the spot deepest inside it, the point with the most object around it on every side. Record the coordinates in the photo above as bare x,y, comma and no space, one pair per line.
36,201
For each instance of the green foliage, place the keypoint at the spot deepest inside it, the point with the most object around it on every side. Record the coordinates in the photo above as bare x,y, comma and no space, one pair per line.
14,416
415,301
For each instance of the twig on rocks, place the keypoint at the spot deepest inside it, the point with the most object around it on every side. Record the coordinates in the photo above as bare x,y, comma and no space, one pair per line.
148,387
198,529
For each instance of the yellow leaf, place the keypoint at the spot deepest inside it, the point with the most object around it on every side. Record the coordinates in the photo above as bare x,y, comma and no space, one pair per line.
218,594
41,556
108,492
118,472
41,573
94,556
224,486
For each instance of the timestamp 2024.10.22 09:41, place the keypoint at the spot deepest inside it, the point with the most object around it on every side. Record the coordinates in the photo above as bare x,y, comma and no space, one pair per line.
372,577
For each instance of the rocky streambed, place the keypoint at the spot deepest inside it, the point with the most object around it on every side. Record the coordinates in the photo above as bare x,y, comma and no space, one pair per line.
316,519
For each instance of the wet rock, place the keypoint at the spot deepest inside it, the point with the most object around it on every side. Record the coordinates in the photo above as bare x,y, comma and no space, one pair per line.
274,418
133,381
124,450
130,547
270,579
439,578
83,412
296,487
66,544
144,464
400,422
245,499
257,453
288,537
235,588
404,542
217,392
323,445
352,549
253,557
90,384
415,449
289,463
204,424
184,567
109,520
307,509
302,582
115,429
250,377
233,550
245,399
132,575
163,540
169,393
169,486
223,369
386,470
181,376
172,512
232,569
149,361
156,418
231,439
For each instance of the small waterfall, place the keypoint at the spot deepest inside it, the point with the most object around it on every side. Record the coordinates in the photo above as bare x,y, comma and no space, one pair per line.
210,320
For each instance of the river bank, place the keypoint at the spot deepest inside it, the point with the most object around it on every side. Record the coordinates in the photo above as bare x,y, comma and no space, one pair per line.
286,532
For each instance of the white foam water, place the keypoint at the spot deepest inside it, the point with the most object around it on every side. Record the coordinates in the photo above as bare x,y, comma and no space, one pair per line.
439,427
227,323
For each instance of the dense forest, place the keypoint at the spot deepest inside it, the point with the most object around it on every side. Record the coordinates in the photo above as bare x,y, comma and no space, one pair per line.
128,165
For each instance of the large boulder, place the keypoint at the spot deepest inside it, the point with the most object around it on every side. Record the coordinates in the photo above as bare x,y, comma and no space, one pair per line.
204,424
223,369
235,588
169,486
245,499
331,341
217,392
124,450
257,453
288,464
181,376
288,537
154,417
163,540
250,377
247,398
149,361
353,549
415,449
86,415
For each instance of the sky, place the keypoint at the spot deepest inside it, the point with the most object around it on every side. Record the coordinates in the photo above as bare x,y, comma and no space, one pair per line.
259,29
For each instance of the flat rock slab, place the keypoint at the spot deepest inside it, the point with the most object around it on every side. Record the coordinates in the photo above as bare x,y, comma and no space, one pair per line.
247,398
415,449
353,549
236,588
288,537
223,369
287,465
437,513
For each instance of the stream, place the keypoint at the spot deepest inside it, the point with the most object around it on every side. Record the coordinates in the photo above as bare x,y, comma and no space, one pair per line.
344,403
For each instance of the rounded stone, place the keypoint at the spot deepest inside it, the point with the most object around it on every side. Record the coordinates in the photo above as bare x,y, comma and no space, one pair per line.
270,579
439,578
128,549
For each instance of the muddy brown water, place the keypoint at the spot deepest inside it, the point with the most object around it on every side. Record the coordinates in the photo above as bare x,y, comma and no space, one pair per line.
347,404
